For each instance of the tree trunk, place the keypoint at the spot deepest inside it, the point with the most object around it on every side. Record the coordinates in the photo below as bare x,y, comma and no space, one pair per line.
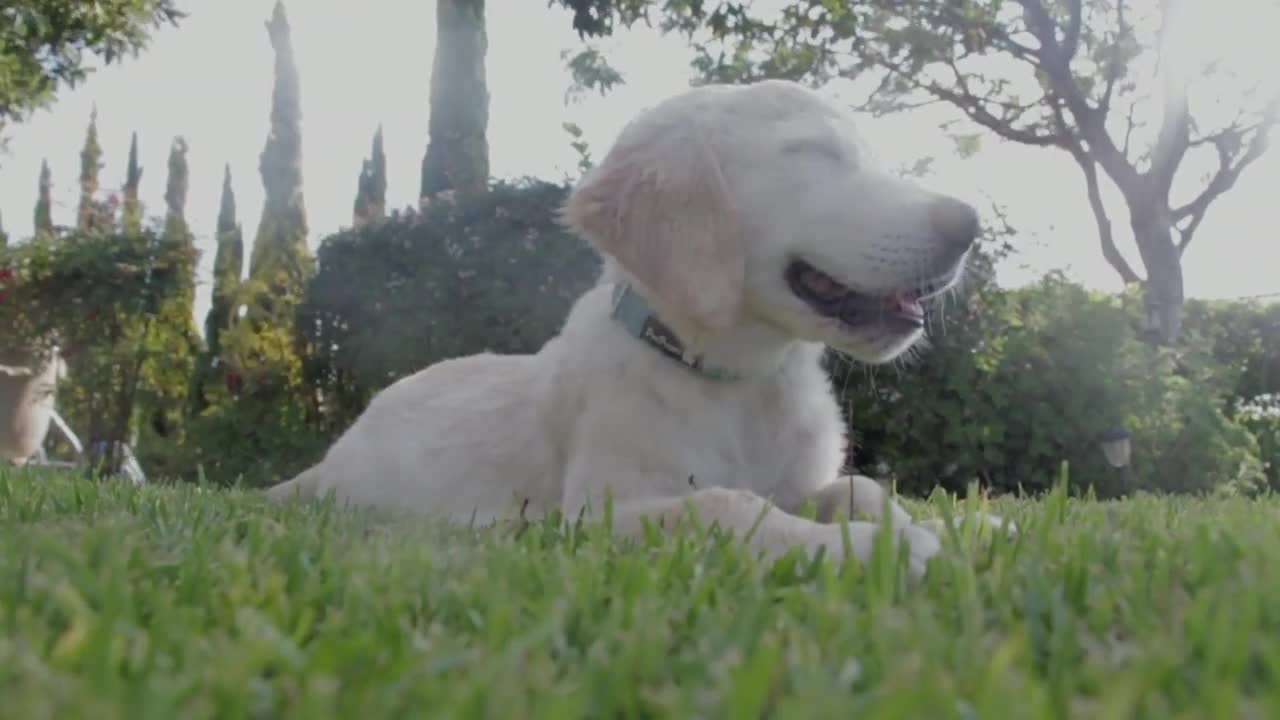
1163,293
457,150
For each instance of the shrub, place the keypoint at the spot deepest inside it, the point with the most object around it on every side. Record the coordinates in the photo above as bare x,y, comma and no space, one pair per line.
1244,337
1016,382
238,439
1261,415
259,423
94,295
495,272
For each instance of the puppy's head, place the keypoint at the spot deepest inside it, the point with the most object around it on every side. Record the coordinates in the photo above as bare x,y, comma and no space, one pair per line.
757,204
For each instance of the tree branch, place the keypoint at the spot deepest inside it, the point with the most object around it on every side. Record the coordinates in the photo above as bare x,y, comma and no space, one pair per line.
1174,137
1114,68
1106,235
1231,163
1071,35
975,107
880,107
1233,132
1056,64
972,105
1131,124
1185,234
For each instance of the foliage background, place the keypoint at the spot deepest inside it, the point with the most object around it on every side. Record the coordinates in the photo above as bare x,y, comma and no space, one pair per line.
1014,382
1011,384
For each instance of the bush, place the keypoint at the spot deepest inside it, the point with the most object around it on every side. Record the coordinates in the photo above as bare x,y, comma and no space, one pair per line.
495,272
94,294
260,423
1016,382
1261,415
1244,337
240,440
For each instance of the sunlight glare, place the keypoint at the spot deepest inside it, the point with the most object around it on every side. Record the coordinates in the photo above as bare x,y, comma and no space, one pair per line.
1238,38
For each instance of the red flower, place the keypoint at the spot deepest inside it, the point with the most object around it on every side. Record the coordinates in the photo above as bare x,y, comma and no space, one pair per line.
5,274
233,380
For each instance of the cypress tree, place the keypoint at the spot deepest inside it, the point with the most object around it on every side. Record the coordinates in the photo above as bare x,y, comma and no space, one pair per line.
175,191
457,155
371,190
360,208
260,349
168,378
268,404
44,204
90,164
281,262
132,181
378,183
228,265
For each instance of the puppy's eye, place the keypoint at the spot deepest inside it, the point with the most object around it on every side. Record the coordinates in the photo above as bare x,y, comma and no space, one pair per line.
826,151
815,148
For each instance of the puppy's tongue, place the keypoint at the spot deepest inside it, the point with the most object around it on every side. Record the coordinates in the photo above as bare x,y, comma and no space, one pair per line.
905,307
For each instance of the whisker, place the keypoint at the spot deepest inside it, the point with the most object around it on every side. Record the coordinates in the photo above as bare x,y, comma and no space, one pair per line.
848,371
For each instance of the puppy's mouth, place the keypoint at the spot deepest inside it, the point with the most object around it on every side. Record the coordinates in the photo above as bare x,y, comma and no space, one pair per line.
902,309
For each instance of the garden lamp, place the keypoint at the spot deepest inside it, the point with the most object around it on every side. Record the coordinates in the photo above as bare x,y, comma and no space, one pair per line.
1116,446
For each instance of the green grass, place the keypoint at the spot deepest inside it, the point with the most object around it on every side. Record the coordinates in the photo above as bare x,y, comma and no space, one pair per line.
122,602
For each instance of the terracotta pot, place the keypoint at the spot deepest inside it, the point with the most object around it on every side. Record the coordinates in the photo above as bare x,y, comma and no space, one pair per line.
26,403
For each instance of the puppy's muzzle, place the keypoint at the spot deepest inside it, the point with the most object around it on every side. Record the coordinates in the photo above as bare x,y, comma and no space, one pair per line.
957,227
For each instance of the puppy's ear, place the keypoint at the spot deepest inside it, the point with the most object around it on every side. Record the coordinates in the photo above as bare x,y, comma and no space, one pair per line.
658,204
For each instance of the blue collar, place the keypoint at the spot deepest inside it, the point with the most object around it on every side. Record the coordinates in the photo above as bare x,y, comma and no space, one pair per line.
634,314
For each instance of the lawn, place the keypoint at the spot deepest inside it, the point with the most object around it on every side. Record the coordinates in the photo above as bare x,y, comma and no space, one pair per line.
123,602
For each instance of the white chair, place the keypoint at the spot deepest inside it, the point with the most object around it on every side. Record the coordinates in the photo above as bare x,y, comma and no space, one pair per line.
26,403
27,411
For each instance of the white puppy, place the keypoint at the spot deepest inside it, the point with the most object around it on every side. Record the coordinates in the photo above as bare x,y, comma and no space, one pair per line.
742,227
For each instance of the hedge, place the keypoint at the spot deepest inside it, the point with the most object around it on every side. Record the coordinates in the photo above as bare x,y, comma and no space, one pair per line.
494,272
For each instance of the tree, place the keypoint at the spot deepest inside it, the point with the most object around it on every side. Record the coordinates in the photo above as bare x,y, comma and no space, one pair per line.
1071,75
132,182
44,204
262,408
175,190
228,265
46,44
90,166
457,155
280,256
167,376
262,411
258,349
371,189
4,236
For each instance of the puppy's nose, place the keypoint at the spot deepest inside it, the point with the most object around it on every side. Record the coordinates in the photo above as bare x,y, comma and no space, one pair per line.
956,223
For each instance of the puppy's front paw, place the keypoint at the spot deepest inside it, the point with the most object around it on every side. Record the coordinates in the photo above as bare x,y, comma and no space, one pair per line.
994,523
923,544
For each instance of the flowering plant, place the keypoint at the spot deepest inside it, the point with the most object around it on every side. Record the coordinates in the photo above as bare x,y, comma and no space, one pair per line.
90,296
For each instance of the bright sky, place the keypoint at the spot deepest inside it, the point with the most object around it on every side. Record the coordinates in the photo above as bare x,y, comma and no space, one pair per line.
210,81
